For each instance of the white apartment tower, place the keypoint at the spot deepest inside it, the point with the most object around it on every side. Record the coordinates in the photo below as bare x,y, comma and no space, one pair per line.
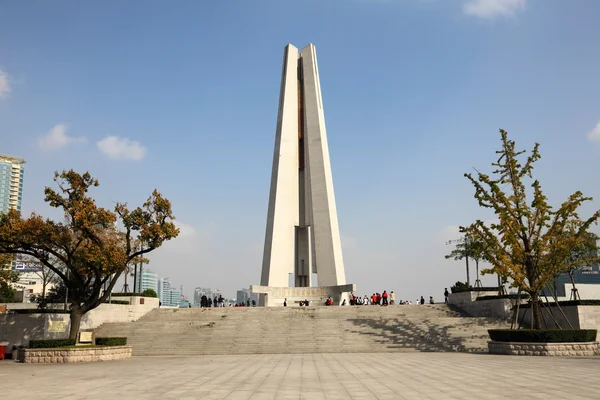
11,182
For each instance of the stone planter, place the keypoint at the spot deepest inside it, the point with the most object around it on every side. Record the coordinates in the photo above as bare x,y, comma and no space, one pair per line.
86,354
544,349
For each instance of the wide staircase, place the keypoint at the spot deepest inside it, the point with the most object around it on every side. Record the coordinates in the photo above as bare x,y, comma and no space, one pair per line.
294,330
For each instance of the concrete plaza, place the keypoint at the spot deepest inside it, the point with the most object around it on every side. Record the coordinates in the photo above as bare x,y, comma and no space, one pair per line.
309,376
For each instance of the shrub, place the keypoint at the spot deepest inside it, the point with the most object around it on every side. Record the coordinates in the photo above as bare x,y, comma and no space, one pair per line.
149,293
111,341
504,296
50,343
543,335
125,294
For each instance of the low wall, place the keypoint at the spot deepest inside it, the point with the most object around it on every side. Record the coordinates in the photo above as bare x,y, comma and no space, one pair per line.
37,356
468,303
580,317
543,349
137,308
18,329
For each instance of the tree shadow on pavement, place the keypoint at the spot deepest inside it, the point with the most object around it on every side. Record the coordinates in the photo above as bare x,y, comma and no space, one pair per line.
406,334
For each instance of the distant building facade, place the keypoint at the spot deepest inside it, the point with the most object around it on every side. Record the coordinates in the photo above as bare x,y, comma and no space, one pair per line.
244,295
168,295
209,292
147,280
164,291
11,182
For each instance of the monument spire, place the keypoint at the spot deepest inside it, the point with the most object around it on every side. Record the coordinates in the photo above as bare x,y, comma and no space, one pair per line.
302,235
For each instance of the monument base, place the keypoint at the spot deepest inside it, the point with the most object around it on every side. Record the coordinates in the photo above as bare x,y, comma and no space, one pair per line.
271,296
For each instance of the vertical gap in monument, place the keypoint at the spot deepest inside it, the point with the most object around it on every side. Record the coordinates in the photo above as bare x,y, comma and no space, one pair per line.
302,264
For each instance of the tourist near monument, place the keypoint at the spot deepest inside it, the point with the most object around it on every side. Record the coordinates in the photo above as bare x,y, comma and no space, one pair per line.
302,235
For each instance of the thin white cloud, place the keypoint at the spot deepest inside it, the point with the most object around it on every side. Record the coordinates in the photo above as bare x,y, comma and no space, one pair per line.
121,148
492,8
4,84
594,134
57,138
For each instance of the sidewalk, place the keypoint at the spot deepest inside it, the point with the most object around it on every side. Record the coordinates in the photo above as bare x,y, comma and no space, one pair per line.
370,376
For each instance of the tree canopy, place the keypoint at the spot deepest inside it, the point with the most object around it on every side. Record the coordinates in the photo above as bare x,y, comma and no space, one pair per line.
531,242
92,246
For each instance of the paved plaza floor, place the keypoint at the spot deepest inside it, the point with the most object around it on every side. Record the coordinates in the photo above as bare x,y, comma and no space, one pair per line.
309,376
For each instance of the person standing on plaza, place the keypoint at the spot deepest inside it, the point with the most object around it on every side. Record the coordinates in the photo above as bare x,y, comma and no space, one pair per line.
392,297
384,298
446,294
422,301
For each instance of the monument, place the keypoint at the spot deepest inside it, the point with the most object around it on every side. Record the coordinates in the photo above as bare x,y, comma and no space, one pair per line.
302,235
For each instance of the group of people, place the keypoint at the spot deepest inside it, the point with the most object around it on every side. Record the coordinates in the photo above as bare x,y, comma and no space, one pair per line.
246,304
207,302
376,299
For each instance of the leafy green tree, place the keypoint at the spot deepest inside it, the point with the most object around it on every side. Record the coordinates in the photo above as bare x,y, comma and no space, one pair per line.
468,247
531,242
7,293
149,293
87,251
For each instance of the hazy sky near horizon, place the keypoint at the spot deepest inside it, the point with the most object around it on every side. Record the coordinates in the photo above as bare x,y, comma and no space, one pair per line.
182,96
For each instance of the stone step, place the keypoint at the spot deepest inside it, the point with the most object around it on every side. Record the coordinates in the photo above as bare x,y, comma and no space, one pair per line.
303,330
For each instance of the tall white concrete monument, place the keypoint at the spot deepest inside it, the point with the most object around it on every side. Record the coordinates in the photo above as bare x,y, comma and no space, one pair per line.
302,234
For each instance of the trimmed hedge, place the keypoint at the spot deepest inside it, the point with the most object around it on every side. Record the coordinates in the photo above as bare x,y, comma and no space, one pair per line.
125,294
568,303
543,335
111,341
504,296
474,289
38,311
50,343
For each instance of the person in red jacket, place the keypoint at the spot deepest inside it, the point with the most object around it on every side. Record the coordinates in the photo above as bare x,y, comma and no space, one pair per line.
384,297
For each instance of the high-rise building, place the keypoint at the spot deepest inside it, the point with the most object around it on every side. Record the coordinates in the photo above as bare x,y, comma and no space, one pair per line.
244,295
11,182
168,295
176,298
164,291
149,280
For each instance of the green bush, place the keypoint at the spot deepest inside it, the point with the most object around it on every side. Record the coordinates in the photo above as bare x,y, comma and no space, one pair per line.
111,341
149,293
50,343
7,293
504,296
543,335
125,294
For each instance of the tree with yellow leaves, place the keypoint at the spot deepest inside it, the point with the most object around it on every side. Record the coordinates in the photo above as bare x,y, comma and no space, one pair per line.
87,251
531,243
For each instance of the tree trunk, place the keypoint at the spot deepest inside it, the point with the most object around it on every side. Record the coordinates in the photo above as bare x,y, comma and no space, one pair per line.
76,315
43,302
536,315
468,278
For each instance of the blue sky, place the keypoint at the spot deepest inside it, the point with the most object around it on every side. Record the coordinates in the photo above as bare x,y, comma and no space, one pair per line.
182,96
